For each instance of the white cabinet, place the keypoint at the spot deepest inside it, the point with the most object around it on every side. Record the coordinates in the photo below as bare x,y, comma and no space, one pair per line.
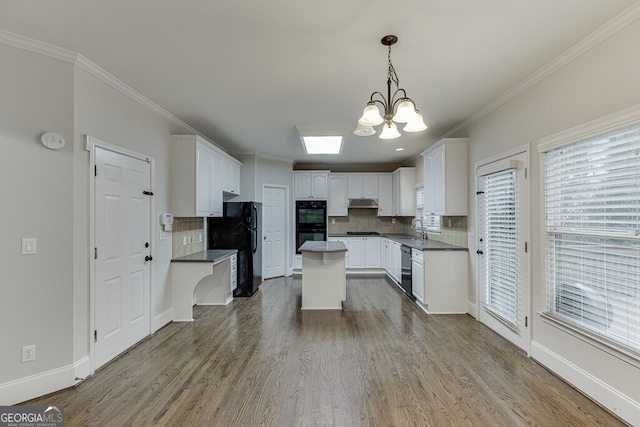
371,252
337,201
404,196
446,281
417,274
310,185
394,261
362,186
364,252
384,254
385,198
356,252
196,177
231,176
233,274
446,178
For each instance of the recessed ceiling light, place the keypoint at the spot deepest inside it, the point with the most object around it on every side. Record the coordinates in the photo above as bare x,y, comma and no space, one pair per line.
322,144
400,149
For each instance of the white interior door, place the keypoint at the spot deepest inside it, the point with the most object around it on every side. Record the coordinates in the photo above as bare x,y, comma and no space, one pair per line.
122,240
273,229
503,229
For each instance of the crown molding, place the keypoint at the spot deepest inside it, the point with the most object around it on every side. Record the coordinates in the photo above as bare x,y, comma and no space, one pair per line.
45,49
262,155
607,30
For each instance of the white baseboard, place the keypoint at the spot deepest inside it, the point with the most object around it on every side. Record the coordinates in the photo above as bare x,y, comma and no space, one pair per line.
607,396
472,309
162,319
82,369
36,385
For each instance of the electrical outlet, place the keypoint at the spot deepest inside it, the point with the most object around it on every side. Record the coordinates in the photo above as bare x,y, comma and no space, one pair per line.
190,239
28,353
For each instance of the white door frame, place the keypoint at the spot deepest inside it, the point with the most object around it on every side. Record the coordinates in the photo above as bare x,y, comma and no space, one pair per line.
286,230
523,149
91,144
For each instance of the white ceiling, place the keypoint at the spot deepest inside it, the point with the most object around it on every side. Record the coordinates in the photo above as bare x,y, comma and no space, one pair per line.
245,73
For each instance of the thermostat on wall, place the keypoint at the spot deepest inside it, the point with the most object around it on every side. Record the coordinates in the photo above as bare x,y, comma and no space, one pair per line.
53,141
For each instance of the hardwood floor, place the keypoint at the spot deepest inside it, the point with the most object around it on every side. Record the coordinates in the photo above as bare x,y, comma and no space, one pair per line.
380,361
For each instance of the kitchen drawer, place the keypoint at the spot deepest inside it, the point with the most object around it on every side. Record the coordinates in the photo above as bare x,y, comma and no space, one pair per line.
233,273
417,255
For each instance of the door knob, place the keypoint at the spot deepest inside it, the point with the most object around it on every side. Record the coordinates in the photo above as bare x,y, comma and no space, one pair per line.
479,252
148,258
264,238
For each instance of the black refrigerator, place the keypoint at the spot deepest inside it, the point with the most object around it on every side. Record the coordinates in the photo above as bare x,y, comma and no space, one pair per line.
240,228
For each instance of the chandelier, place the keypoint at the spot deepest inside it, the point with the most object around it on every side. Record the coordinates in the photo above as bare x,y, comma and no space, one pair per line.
398,108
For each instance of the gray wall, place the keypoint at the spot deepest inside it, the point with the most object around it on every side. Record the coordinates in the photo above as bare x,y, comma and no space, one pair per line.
597,83
37,199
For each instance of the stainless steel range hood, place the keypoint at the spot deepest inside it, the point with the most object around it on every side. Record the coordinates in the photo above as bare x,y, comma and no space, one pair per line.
363,203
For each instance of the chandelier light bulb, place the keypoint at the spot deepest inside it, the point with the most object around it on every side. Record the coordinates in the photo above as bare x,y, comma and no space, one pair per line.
416,124
389,131
364,130
405,112
371,115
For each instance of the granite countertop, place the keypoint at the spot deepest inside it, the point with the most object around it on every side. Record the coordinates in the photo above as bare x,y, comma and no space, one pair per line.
213,255
310,246
412,241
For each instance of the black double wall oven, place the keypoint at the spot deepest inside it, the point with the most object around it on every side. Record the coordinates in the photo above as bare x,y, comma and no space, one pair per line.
311,221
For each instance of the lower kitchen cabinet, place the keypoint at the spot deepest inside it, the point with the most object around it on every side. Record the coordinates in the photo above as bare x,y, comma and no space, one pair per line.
417,274
393,258
364,252
445,280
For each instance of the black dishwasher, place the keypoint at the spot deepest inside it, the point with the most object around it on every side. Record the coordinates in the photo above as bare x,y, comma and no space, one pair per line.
406,271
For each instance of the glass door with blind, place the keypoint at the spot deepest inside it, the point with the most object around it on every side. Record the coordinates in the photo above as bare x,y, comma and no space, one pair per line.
503,279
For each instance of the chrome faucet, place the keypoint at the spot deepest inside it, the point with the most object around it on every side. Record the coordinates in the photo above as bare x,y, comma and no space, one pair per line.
423,234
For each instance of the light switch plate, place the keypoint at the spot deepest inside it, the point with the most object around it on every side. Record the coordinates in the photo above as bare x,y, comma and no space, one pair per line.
29,246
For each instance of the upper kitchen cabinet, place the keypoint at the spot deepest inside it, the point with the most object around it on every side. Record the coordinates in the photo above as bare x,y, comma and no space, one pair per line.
337,201
310,184
385,195
231,176
445,178
197,177
362,186
404,191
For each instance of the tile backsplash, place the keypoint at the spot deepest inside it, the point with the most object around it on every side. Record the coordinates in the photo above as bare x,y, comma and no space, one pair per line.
190,230
453,228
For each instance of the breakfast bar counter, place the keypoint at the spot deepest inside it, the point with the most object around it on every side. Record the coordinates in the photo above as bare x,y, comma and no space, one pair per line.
324,279
204,278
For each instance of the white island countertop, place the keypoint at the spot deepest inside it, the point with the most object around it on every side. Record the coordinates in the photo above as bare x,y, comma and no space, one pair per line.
323,246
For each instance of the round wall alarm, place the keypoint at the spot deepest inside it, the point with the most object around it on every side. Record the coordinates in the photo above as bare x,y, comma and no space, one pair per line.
53,141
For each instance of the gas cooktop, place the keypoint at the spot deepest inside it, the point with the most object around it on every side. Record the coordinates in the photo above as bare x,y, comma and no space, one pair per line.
363,233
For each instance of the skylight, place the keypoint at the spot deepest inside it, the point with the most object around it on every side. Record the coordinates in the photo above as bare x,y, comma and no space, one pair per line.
322,144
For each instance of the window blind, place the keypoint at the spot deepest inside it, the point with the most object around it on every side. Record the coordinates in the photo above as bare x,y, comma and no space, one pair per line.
430,223
591,191
499,264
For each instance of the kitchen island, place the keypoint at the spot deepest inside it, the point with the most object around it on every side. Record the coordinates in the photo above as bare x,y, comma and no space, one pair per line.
204,278
324,278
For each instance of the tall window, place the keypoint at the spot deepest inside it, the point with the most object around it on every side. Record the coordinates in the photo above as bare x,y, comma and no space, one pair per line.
430,223
591,194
